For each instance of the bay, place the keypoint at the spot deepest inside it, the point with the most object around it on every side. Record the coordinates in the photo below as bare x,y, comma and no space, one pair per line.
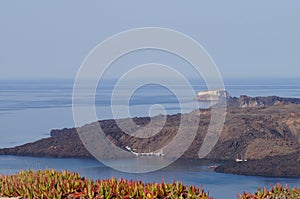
195,173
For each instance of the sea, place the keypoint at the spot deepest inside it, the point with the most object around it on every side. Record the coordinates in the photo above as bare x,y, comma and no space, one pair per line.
29,109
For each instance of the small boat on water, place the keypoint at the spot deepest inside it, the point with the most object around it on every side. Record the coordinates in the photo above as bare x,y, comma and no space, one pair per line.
213,166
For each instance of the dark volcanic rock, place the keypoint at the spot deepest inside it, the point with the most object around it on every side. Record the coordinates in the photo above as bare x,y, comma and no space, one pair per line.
68,132
278,166
61,146
263,134
247,101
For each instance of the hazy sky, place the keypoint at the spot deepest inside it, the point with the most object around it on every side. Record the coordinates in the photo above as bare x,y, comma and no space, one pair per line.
50,39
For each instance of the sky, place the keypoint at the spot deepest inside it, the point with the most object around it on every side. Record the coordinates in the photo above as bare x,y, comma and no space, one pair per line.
50,39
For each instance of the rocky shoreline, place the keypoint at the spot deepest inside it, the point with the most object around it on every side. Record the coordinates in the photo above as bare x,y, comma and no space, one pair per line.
287,166
263,130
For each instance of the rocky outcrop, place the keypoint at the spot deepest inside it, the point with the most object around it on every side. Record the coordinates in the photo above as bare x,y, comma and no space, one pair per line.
246,101
276,166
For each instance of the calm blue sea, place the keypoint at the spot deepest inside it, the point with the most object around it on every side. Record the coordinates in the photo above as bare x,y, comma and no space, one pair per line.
189,172
30,109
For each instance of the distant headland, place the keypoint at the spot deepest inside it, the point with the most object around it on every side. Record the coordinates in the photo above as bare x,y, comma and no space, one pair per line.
265,131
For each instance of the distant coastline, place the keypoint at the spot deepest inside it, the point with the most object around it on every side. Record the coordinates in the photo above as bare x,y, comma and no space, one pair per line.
263,130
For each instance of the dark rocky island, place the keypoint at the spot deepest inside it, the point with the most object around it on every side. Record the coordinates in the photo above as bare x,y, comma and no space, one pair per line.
265,131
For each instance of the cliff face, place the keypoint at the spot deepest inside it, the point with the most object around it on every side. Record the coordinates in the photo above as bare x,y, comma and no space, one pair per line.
259,132
246,101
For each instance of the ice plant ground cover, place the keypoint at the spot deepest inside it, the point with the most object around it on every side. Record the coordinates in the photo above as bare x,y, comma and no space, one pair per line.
276,192
54,184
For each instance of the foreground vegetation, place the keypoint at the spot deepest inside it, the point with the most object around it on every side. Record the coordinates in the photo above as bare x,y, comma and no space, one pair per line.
53,184
276,192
